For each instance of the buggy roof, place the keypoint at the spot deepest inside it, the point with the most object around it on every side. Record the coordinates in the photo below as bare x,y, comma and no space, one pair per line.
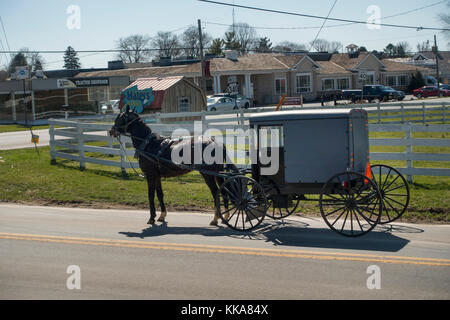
303,115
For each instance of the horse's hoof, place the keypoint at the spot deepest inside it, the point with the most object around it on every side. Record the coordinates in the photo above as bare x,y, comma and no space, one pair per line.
160,219
151,221
213,223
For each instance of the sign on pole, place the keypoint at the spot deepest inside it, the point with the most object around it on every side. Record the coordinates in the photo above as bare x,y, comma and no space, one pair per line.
22,73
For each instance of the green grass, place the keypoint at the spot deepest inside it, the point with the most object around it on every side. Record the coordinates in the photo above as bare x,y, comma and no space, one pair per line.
24,177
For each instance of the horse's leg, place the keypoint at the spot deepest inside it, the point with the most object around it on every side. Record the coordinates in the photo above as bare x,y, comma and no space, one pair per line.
151,183
160,195
211,182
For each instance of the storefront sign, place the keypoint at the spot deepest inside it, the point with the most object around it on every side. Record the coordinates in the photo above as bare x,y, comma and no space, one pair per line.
64,84
90,82
137,99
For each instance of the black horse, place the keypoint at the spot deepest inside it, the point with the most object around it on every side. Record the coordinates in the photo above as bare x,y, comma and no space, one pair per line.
154,153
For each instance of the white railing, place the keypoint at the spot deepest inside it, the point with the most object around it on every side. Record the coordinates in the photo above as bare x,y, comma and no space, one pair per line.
74,140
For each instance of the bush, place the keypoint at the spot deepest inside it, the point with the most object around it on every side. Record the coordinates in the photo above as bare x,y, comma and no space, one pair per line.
416,82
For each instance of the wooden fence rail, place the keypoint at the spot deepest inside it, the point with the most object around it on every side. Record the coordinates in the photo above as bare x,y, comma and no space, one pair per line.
76,137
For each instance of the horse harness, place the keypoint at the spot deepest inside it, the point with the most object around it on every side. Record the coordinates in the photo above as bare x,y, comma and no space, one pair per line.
140,149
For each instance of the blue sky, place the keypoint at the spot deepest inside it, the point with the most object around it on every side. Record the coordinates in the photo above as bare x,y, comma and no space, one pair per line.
41,25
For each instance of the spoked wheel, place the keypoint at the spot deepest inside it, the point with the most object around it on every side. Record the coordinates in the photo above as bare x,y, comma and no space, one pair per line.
394,191
242,203
350,204
276,209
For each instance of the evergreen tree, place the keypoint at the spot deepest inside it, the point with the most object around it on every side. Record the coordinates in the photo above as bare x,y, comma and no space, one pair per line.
18,60
417,81
216,47
264,45
230,41
71,60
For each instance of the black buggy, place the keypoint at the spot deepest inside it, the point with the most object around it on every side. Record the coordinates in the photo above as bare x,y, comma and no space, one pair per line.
320,152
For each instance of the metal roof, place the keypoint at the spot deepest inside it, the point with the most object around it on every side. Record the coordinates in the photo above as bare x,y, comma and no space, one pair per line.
303,114
157,83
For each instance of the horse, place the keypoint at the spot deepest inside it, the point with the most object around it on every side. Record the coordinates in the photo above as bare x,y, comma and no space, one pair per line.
154,153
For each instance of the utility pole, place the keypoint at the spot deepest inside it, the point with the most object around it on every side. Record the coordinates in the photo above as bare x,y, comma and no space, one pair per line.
203,82
436,53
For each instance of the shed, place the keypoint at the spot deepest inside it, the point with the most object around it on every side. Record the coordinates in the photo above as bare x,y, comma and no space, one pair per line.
170,94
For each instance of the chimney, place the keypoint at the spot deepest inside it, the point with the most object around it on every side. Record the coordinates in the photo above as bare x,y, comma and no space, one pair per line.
231,55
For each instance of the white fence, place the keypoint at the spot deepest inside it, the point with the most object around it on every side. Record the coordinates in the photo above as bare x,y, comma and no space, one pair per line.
75,139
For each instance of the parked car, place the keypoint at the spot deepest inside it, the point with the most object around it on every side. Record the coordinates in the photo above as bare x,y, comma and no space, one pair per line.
110,107
430,91
372,92
221,104
241,100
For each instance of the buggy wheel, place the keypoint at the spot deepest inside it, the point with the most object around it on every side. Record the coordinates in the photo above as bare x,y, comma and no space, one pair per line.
242,203
275,209
394,191
350,204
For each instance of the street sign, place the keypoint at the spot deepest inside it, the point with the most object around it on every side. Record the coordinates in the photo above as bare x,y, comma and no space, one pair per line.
22,73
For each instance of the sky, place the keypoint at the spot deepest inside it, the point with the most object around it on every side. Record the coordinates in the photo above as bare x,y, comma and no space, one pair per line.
51,24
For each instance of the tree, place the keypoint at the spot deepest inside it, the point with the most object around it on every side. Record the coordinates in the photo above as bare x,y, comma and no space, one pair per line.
191,41
417,81
16,61
167,43
263,45
287,46
35,60
362,49
424,46
71,60
445,19
379,54
323,45
402,49
134,48
245,36
390,50
230,41
216,47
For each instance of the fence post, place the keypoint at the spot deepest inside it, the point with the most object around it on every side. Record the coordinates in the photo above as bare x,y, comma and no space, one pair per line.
423,113
379,112
13,99
444,111
403,111
408,151
51,132
158,117
80,145
123,157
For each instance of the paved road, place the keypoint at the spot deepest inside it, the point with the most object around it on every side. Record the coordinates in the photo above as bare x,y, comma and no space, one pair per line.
119,256
22,139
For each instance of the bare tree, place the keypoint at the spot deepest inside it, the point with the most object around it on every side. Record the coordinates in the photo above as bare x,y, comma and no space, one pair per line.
245,35
424,46
287,46
167,44
403,49
320,45
334,47
191,41
445,19
35,60
135,48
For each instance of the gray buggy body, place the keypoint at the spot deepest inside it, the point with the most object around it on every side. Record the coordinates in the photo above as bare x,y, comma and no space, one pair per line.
314,145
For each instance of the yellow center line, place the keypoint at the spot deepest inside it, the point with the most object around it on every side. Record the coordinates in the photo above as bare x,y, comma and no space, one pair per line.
230,249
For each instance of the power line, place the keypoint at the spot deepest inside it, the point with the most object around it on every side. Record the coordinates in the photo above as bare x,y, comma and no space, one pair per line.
330,26
418,28
324,21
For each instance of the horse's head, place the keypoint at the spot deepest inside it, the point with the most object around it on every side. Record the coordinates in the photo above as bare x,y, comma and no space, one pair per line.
123,122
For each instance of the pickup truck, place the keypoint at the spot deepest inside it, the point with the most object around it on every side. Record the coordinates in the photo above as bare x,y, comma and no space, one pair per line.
372,92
